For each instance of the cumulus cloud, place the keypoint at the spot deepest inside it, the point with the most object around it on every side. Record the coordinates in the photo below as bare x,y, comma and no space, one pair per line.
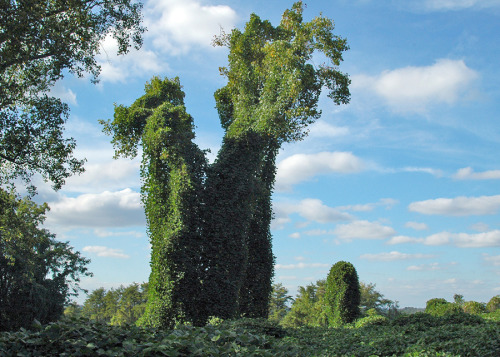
414,88
102,251
310,209
176,26
459,206
394,255
301,266
461,240
301,167
295,235
417,226
467,173
116,68
107,209
105,176
363,230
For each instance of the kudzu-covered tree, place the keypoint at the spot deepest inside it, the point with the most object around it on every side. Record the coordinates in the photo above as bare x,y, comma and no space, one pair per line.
342,294
209,225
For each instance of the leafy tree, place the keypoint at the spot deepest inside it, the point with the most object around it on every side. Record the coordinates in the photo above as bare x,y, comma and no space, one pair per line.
493,304
73,310
132,304
473,307
94,307
308,309
342,294
458,299
209,225
278,304
372,299
441,307
38,41
38,274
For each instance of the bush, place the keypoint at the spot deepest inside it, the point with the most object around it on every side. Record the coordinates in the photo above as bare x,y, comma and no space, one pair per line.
473,307
371,320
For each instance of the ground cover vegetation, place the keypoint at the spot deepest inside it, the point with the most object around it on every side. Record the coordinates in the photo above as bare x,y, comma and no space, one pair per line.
209,224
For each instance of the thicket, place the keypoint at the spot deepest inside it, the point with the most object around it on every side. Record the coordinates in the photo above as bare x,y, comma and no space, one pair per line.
209,224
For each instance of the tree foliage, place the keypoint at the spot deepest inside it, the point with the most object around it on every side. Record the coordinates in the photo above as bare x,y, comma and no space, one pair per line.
308,308
279,303
209,225
38,274
342,294
38,41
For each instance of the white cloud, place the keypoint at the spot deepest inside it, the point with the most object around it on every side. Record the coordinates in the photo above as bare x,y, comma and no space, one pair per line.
302,167
295,235
116,68
461,240
105,233
459,4
467,173
459,206
321,129
427,170
425,267
417,226
394,255
310,209
63,93
176,26
108,175
492,259
301,266
107,209
414,88
388,203
363,230
102,251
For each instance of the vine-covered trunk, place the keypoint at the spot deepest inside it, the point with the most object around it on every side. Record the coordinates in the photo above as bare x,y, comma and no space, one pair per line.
256,289
231,190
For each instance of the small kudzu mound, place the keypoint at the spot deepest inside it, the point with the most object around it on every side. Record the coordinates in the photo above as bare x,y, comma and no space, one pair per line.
371,321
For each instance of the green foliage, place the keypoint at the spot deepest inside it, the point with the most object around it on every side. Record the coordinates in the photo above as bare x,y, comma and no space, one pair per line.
308,309
371,320
278,304
441,307
342,295
38,274
414,335
209,225
172,172
41,39
84,338
494,304
372,299
473,307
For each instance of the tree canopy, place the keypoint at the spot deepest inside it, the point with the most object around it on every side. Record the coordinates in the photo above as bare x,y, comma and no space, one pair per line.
38,274
38,41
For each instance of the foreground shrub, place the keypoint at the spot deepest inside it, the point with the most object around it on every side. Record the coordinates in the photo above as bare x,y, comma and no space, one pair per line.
85,338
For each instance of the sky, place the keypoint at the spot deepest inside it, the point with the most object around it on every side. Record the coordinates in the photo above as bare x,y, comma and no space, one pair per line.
402,182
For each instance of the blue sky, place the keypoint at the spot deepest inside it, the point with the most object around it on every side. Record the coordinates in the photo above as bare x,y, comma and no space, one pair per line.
402,182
